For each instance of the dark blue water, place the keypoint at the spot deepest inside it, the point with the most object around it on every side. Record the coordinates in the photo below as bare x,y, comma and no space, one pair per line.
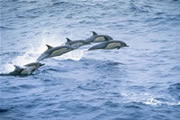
141,82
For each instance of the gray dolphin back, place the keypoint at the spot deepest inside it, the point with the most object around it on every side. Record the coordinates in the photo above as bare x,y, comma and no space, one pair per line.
101,38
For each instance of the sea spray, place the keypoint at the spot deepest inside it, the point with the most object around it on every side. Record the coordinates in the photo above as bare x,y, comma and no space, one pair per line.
31,54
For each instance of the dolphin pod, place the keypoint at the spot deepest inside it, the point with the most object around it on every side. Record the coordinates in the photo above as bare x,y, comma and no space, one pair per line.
105,42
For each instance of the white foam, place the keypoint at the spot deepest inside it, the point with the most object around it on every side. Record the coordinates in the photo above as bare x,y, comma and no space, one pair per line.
33,52
7,68
153,101
148,99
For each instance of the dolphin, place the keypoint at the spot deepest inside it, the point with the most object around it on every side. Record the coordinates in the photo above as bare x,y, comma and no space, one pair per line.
114,44
76,43
98,38
28,69
54,51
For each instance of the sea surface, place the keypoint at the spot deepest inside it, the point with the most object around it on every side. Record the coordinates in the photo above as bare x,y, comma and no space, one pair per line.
141,82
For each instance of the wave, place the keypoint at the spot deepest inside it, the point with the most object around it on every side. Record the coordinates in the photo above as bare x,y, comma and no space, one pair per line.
174,90
6,28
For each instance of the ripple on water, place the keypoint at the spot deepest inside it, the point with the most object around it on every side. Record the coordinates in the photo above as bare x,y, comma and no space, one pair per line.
139,82
174,90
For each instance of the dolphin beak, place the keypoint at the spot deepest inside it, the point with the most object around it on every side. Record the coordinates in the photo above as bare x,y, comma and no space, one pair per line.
127,45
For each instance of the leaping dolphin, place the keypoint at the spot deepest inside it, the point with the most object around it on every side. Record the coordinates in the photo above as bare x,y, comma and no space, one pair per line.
54,51
109,45
98,38
76,43
28,69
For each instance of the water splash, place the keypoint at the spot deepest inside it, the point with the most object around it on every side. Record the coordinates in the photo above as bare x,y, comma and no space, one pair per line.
6,68
31,53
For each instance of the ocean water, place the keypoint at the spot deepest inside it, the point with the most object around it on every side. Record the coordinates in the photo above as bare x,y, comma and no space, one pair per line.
141,82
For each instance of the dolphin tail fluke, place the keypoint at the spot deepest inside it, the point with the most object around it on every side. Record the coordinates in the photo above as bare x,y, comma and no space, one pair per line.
89,49
92,48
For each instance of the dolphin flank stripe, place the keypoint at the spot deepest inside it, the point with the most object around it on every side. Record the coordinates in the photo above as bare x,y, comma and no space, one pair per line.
99,39
58,52
113,45
109,45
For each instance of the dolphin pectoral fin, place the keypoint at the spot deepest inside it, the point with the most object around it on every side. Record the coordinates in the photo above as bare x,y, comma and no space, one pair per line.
48,46
94,33
68,40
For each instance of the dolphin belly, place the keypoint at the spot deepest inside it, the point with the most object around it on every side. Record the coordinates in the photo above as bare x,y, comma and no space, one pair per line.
28,70
113,45
59,52
77,45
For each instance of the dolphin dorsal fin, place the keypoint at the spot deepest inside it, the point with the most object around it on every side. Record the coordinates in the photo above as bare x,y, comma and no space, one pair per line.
94,33
68,40
17,67
49,47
